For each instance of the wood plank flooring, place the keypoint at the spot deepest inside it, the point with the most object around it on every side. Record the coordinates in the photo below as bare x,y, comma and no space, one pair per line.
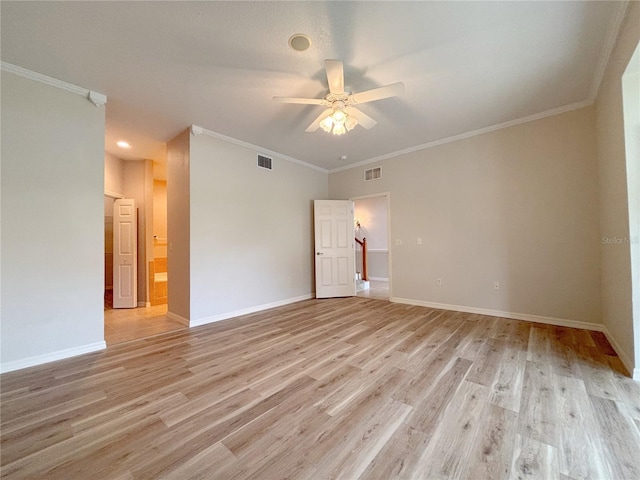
330,389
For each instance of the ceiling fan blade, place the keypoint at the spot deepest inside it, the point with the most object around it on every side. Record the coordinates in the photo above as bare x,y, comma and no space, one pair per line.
335,76
387,91
316,123
303,101
363,119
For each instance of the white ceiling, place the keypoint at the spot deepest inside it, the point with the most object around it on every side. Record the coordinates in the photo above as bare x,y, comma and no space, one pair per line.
166,65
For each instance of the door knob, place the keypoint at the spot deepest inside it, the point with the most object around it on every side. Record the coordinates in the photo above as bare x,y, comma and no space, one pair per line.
319,253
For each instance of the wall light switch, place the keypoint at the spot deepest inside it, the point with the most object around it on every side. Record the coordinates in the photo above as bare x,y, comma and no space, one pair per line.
439,282
418,241
398,241
496,285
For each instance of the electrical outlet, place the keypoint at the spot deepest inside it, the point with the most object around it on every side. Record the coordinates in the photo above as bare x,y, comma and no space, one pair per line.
418,241
439,282
496,285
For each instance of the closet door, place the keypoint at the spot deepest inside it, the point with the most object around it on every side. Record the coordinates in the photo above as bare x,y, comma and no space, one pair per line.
125,254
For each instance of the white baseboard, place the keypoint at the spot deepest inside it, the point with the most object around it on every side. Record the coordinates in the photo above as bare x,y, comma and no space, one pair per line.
560,322
379,279
624,358
51,357
178,318
247,311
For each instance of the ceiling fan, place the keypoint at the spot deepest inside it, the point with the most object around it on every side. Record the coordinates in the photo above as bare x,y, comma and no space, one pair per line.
340,116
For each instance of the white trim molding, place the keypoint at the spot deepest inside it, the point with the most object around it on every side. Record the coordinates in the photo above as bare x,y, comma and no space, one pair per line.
195,131
247,311
113,195
559,322
607,48
473,133
605,54
52,357
626,361
97,98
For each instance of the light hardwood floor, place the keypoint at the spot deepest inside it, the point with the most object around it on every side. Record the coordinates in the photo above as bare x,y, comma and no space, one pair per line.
322,389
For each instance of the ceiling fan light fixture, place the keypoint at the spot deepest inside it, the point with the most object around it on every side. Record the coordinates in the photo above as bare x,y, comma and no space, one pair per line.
339,129
339,116
338,122
327,124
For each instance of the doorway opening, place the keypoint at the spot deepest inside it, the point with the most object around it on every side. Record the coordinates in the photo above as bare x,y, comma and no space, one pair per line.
108,248
373,257
138,180
158,272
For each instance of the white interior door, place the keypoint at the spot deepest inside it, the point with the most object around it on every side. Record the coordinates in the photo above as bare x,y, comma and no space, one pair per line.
335,250
125,254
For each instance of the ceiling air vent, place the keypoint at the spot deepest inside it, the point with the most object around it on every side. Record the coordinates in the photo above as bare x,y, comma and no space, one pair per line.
372,174
265,162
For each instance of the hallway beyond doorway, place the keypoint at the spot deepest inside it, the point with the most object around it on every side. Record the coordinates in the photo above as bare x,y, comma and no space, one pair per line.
125,324
378,289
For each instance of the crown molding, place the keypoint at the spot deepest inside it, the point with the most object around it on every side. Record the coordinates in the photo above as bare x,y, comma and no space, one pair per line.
609,44
613,32
98,99
195,131
473,133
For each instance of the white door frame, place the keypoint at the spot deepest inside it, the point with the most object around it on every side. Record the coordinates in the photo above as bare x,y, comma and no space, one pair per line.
387,195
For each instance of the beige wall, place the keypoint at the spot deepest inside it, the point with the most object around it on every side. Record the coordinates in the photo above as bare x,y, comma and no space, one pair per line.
52,223
518,206
178,226
251,229
113,174
613,206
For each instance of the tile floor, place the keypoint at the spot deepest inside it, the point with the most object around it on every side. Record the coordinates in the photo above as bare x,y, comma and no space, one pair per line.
125,324
377,289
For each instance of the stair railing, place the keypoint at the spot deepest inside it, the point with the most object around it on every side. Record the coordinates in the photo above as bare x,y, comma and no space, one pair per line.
363,244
